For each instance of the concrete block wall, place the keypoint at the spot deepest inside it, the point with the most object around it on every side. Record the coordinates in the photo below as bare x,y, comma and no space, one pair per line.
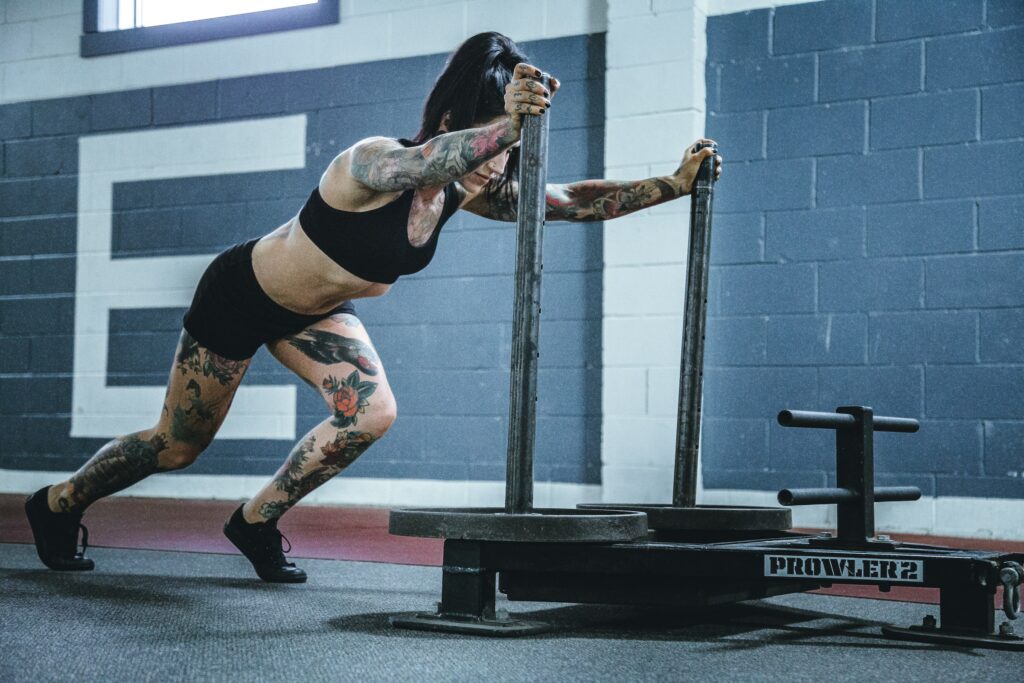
869,240
102,239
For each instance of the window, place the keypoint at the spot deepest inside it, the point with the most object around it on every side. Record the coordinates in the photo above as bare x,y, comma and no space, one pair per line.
112,26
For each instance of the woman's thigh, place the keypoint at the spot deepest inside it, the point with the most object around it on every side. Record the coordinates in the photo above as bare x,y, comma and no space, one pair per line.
200,389
336,357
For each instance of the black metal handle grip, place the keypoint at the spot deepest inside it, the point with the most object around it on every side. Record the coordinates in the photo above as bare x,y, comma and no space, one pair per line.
831,496
706,172
816,420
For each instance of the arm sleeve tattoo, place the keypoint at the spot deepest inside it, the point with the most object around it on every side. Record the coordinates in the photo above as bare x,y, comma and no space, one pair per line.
382,166
588,200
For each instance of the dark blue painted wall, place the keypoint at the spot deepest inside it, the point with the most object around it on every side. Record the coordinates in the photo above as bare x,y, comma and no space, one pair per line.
444,334
869,239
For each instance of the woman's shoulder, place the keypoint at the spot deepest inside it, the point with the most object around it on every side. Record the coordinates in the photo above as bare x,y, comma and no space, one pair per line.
379,143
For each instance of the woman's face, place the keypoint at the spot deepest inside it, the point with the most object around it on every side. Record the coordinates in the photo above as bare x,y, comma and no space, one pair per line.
477,180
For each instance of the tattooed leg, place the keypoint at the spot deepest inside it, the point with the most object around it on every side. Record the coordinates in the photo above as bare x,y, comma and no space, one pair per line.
328,348
194,358
119,464
348,320
199,392
349,397
324,453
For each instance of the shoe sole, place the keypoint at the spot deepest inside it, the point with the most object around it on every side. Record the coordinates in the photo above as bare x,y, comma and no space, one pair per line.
84,566
231,536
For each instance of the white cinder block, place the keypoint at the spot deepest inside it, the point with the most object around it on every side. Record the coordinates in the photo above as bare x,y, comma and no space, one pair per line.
89,76
350,8
654,88
487,494
619,9
573,17
663,389
37,78
656,138
633,172
653,290
15,41
979,518
624,391
660,6
636,484
548,494
729,6
916,517
439,28
654,38
643,239
25,10
56,36
639,441
514,19
642,342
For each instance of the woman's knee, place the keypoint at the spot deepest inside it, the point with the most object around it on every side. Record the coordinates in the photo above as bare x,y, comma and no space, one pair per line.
387,412
365,406
178,454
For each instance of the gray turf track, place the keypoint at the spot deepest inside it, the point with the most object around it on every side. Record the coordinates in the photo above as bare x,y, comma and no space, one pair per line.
166,616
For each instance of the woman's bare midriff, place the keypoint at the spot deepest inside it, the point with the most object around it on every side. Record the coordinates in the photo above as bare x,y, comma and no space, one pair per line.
296,274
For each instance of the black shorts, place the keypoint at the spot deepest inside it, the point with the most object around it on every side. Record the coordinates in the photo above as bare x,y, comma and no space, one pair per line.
231,314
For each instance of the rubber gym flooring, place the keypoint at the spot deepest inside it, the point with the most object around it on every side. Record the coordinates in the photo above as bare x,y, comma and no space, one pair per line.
169,602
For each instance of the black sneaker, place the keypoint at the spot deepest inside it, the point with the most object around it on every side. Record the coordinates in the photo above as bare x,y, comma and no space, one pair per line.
56,535
261,545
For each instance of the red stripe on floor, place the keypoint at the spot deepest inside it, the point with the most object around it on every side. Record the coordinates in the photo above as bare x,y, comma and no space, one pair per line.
329,533
334,533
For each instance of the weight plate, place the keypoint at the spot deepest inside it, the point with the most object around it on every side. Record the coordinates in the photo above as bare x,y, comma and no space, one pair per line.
539,526
706,517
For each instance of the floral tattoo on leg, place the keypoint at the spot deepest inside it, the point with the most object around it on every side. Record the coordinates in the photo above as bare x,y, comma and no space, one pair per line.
348,397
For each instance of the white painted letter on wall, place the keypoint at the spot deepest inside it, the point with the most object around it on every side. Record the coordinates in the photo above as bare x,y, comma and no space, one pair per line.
104,283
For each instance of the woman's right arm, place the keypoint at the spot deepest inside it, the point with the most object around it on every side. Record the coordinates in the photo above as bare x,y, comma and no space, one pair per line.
384,165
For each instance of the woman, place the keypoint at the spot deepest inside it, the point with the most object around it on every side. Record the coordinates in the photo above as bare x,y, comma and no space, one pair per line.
375,216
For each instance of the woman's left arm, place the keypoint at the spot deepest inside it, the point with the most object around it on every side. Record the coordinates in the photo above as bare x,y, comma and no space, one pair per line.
601,200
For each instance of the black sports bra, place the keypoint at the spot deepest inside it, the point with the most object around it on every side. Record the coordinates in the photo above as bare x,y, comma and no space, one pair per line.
373,245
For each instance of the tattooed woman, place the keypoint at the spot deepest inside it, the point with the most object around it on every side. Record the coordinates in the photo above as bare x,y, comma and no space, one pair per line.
375,216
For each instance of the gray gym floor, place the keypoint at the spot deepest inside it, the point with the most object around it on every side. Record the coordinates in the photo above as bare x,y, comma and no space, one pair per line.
170,616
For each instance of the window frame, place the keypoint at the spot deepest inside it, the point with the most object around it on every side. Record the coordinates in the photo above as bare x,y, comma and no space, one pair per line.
96,43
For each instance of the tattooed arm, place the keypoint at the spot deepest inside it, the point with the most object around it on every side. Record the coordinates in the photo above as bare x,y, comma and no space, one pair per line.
384,165
586,200
599,200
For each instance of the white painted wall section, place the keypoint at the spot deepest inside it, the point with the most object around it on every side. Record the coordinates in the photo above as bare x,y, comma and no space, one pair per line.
655,108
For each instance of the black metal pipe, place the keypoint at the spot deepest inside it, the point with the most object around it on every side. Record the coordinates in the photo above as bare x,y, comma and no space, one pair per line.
893,494
691,370
522,416
816,420
831,496
825,496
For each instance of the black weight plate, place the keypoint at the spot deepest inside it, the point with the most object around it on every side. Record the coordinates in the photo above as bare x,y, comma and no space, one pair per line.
706,517
539,526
